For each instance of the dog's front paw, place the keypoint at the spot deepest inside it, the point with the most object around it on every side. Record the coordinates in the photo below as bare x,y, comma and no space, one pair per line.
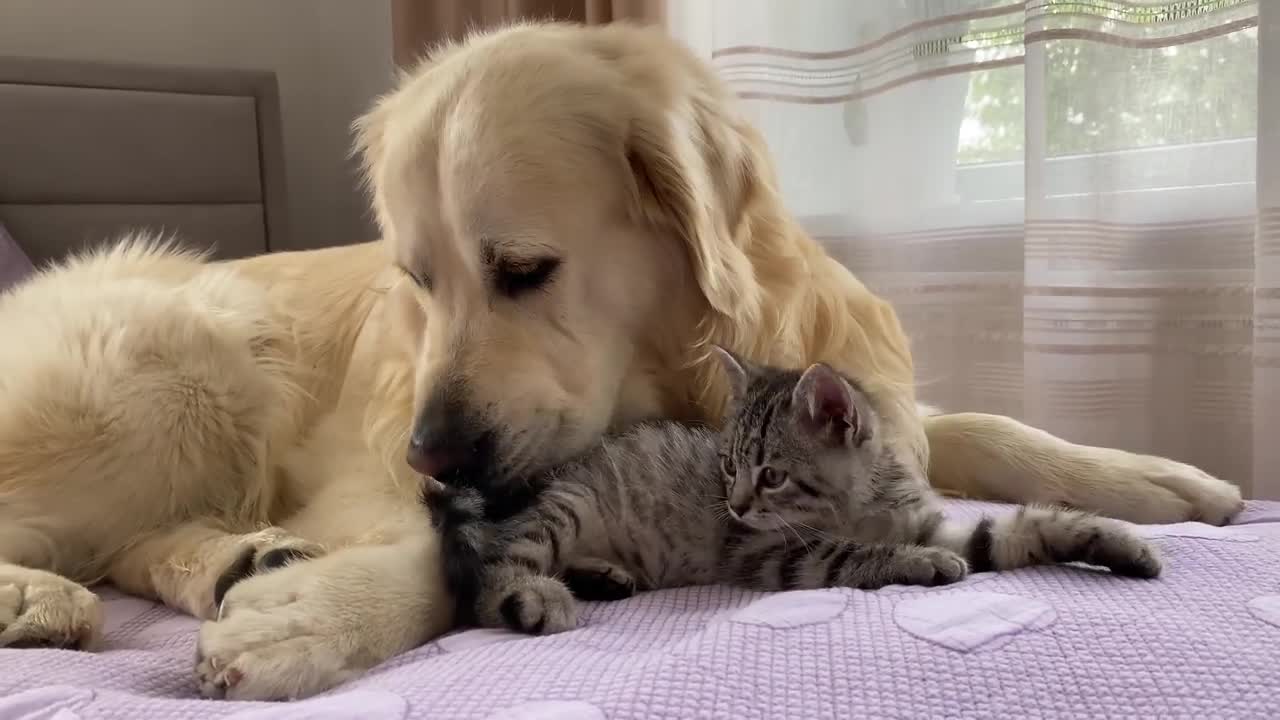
272,642
1208,499
261,552
308,626
1148,489
40,609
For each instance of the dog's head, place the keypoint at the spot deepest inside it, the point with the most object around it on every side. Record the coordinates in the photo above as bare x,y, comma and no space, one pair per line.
563,203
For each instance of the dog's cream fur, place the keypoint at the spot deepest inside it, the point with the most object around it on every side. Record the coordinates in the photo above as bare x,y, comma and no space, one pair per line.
159,415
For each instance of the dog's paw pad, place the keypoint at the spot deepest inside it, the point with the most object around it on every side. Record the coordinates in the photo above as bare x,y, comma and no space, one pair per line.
261,553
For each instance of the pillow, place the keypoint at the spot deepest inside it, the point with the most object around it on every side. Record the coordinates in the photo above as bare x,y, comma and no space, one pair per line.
14,265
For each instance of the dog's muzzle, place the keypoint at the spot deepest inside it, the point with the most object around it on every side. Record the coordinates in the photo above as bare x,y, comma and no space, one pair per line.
449,442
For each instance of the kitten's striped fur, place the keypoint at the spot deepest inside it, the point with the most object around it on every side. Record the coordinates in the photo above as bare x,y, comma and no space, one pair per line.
795,491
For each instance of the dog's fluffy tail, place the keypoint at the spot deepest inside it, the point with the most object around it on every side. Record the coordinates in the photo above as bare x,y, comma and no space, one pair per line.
459,516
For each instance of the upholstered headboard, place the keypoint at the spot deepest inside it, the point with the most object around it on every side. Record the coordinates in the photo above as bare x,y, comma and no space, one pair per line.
90,150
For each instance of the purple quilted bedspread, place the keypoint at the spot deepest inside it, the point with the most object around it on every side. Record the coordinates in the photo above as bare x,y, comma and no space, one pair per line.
1203,641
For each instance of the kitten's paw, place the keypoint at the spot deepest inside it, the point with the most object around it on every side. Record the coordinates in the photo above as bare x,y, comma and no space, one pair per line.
539,605
41,609
1113,546
598,580
932,566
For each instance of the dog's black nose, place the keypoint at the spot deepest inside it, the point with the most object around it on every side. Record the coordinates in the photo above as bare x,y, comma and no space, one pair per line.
430,460
448,440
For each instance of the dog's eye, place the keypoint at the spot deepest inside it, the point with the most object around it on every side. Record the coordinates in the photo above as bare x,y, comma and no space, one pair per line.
420,279
770,478
515,280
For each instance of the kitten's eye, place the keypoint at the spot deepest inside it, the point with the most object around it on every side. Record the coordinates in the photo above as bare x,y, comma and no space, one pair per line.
771,478
727,467
516,280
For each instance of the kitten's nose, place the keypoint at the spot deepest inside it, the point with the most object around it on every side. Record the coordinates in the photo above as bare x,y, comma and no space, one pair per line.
740,507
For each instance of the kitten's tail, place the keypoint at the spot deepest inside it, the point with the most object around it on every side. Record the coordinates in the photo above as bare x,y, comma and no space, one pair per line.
459,516
1042,536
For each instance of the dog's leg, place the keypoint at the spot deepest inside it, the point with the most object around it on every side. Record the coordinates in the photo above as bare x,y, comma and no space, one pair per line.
997,458
193,566
38,607
309,626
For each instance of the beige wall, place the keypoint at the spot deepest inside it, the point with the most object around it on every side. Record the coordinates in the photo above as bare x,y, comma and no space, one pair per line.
331,58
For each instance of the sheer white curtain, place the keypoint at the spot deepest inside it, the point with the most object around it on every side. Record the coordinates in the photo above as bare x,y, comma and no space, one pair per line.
1064,199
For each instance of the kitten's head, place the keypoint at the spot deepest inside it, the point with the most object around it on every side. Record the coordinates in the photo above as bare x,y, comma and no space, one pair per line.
797,447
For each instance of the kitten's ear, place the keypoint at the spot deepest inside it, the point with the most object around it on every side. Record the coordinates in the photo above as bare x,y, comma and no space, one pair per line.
828,406
734,367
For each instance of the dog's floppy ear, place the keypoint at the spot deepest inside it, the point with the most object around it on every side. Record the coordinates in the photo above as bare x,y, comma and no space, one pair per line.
693,172
369,149
369,129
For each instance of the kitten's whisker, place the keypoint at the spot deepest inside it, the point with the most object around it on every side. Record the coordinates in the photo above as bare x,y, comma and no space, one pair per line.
822,534
799,537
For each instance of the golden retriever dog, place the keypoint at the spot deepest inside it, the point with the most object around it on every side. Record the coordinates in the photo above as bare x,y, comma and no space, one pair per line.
569,217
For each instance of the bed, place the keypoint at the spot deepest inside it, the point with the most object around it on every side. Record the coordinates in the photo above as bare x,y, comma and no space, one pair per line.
1201,642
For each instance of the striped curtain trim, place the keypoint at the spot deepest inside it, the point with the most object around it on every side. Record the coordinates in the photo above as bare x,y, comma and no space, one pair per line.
1067,244
1218,290
1143,14
969,42
1268,232
1115,246
1155,348
916,28
785,97
1113,39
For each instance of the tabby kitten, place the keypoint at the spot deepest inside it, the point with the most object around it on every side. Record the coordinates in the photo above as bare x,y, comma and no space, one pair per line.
797,490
